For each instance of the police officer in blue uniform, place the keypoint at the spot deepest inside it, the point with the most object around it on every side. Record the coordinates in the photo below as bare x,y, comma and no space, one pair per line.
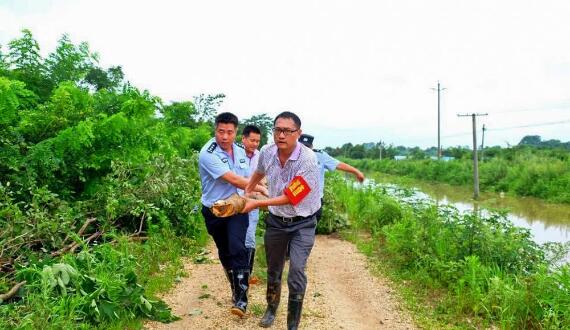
223,166
327,163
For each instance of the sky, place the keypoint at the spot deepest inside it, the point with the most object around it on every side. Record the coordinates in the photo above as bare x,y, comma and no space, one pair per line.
354,71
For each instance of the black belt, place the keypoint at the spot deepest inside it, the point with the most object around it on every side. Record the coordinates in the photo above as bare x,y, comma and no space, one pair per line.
291,219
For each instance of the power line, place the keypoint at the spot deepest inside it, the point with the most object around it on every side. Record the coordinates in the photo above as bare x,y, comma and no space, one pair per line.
564,106
530,125
513,127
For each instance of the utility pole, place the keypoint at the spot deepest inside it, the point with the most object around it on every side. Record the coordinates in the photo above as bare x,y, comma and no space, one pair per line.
475,163
439,90
483,144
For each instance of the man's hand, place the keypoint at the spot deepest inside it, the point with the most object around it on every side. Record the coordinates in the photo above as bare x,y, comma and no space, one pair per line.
263,190
359,176
250,204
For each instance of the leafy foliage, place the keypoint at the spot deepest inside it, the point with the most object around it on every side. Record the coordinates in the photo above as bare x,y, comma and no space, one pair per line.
87,171
480,270
524,172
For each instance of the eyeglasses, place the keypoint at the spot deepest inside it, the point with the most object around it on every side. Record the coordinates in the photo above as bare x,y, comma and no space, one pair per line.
285,131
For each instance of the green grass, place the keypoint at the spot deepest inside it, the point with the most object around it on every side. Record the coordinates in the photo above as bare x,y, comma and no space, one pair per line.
456,270
521,172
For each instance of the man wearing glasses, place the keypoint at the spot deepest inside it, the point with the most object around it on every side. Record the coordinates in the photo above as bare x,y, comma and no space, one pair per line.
293,178
223,166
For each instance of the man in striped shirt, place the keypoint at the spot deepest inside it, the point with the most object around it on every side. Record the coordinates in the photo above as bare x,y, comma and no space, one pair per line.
293,179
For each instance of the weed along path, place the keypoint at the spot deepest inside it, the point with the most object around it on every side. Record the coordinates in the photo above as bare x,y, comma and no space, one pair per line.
342,294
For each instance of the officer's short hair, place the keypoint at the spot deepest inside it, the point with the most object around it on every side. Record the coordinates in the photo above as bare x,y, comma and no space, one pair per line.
226,118
248,129
289,115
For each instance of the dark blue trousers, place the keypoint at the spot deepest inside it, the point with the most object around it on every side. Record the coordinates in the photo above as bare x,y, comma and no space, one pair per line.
229,236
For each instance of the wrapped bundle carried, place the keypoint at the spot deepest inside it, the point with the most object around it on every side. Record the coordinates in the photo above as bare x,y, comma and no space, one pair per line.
227,207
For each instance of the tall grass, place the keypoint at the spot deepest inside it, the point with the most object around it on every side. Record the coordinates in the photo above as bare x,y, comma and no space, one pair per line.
526,174
480,270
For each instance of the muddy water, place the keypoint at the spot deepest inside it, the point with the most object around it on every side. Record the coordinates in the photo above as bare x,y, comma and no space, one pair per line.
547,222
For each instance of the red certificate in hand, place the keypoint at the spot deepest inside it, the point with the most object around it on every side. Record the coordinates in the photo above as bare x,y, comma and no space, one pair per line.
297,190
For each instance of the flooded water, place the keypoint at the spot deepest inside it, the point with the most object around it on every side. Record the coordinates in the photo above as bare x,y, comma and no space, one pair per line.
547,222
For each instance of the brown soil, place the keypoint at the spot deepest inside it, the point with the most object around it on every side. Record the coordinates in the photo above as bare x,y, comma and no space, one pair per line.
341,294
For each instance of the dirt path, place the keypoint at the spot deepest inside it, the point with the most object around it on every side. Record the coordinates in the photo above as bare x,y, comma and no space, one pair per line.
342,294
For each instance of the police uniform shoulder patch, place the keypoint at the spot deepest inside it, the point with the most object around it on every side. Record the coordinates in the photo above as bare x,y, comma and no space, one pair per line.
240,145
212,147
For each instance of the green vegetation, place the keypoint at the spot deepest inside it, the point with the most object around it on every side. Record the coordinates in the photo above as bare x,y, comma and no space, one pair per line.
460,269
99,190
523,172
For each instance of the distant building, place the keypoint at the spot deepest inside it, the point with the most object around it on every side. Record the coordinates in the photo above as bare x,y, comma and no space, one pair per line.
444,158
400,157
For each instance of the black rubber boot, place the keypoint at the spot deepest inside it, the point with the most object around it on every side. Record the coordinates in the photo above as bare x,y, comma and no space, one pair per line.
229,276
294,309
273,297
241,285
251,254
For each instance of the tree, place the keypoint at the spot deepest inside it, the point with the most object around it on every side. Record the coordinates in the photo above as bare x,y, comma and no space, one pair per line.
24,53
70,62
417,153
345,149
3,63
531,140
180,114
357,152
27,65
263,121
100,79
207,106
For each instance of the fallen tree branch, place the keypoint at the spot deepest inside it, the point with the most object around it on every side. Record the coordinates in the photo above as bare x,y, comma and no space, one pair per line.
138,238
140,225
85,225
82,229
73,246
89,239
11,292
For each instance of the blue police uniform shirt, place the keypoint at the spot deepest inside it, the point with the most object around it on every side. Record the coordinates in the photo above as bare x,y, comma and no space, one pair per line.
215,162
325,162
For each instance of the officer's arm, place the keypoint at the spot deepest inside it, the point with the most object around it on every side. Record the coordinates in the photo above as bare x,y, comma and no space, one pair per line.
241,182
253,182
350,169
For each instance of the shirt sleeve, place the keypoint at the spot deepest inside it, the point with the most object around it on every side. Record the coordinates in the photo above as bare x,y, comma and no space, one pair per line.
329,162
213,165
262,160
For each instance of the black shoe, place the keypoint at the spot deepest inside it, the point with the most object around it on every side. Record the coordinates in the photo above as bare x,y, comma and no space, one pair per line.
229,276
294,308
241,285
273,296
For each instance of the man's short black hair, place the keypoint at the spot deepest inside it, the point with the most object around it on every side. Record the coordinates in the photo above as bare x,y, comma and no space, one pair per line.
226,118
248,129
289,115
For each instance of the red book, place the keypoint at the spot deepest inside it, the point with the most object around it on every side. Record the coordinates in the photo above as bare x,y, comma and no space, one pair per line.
297,190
